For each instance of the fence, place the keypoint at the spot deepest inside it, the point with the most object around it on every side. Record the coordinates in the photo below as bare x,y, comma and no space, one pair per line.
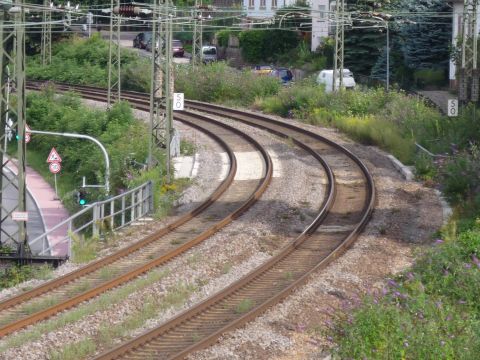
100,217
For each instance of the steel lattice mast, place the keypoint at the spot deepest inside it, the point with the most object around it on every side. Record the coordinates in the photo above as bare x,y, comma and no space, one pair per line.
161,93
469,75
197,34
114,79
46,49
12,35
339,45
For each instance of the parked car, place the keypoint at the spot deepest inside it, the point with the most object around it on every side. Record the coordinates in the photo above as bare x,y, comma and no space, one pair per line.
262,69
177,48
283,74
325,77
141,40
209,54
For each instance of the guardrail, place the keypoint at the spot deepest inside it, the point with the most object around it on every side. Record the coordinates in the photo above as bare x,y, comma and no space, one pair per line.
100,217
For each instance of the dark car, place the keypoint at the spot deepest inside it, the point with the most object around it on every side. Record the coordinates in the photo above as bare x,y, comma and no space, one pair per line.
141,40
177,48
283,74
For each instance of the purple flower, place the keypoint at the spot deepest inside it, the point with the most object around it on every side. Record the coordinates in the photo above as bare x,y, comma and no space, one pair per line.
438,241
468,266
397,293
462,302
449,317
410,276
384,291
329,338
445,272
438,304
392,283
420,315
475,260
405,343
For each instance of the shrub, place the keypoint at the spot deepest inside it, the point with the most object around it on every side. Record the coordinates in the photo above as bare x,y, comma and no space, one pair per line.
261,45
222,37
429,77
219,83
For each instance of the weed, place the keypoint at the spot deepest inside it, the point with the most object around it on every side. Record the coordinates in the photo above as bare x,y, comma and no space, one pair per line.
288,275
74,351
226,268
244,306
176,241
39,305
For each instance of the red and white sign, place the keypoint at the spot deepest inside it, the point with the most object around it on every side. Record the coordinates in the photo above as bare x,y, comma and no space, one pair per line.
27,134
20,216
53,157
54,167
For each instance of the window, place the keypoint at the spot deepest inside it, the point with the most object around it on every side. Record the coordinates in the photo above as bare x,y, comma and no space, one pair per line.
274,3
251,3
321,11
263,4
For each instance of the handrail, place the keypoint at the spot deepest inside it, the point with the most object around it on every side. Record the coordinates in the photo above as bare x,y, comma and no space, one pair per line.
140,203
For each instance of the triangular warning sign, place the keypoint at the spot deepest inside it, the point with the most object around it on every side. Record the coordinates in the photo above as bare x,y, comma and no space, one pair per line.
27,128
53,156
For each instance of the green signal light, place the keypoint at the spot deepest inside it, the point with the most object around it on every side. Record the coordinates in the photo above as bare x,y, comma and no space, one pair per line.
82,201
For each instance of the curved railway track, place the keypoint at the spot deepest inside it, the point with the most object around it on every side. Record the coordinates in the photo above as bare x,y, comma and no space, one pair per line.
228,201
346,210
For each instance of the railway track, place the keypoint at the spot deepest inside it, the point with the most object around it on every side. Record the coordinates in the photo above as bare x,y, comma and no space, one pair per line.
345,211
228,201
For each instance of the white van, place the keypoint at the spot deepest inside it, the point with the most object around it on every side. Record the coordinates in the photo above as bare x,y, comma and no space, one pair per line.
326,77
209,54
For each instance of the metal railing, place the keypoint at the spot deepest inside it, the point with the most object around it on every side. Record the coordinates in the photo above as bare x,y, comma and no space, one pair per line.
101,217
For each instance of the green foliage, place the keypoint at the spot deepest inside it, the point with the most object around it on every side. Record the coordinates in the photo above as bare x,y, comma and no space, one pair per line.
391,120
266,46
429,77
219,83
17,274
78,61
117,129
461,178
431,312
222,37
84,249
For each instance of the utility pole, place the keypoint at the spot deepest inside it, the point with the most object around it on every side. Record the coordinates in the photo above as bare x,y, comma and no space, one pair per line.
114,54
47,33
339,45
161,93
469,74
197,34
12,52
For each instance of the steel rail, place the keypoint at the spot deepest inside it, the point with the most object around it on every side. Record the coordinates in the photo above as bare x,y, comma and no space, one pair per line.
306,247
141,269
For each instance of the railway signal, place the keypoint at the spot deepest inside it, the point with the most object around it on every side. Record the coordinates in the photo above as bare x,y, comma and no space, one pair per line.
82,197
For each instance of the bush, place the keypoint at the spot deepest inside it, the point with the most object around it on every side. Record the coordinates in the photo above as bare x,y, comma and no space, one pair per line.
219,83
266,46
430,312
222,37
429,77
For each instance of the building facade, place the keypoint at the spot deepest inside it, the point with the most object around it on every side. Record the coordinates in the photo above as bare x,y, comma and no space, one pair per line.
322,11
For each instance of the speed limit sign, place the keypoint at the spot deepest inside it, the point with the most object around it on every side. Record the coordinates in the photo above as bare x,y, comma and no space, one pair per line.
452,107
178,99
54,167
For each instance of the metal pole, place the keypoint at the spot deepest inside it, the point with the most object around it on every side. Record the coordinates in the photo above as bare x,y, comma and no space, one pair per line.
80,136
20,86
197,34
114,78
388,57
339,45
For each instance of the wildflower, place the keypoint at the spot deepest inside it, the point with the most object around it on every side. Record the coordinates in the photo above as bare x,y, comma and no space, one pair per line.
445,272
420,315
410,276
438,304
449,317
467,266
392,283
405,343
438,241
397,293
462,302
384,291
442,343
329,338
